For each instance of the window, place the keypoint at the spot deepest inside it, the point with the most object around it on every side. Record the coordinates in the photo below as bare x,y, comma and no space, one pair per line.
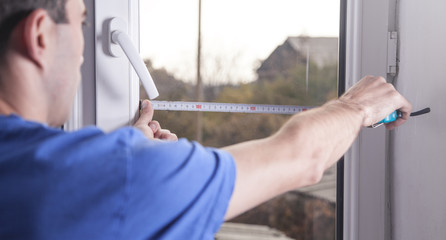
262,52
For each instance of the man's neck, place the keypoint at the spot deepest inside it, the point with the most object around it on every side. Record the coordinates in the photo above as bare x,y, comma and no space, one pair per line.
21,92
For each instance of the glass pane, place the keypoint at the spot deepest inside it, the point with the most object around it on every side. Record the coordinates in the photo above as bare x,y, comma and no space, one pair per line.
282,52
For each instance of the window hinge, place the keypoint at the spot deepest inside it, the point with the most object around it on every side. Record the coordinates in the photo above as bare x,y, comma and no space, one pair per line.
392,47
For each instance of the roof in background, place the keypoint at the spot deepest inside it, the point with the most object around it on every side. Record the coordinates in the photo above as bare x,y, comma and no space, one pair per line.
322,50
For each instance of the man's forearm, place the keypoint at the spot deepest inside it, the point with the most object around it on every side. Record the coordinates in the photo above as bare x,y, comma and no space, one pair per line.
295,156
330,130
310,142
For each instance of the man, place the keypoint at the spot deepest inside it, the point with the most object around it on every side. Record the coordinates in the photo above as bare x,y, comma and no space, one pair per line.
128,184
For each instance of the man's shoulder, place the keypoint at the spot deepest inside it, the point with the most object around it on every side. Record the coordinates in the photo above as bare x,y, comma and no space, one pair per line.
174,186
22,137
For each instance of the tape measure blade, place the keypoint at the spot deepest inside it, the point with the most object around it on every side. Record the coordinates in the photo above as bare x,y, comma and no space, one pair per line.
226,107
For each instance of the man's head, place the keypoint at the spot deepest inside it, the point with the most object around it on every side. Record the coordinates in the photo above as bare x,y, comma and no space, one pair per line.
13,11
41,51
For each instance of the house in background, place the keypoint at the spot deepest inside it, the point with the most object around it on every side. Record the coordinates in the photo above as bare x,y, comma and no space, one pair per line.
298,51
320,51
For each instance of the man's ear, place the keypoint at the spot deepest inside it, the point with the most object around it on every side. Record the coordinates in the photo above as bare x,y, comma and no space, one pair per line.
38,33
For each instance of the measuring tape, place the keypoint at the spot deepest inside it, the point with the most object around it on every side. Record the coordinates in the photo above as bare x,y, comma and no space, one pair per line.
227,107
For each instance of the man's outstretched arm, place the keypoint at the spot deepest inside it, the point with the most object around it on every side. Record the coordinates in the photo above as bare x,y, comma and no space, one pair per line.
310,142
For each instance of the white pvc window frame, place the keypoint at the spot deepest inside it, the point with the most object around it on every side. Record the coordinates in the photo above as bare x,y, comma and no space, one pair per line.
366,171
109,93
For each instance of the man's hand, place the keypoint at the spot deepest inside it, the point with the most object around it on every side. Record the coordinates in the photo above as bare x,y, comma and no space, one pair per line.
150,128
376,99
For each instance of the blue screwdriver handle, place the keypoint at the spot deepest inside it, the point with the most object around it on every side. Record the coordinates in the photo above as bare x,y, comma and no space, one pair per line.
398,114
392,117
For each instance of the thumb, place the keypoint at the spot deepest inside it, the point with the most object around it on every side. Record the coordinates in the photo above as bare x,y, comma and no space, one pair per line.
146,113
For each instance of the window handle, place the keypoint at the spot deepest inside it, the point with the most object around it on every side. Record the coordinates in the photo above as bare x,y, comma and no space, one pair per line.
118,37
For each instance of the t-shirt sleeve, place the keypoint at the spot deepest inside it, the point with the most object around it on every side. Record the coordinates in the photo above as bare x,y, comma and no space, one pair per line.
176,190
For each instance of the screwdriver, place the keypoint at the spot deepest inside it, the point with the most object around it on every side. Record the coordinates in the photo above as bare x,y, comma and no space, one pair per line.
398,114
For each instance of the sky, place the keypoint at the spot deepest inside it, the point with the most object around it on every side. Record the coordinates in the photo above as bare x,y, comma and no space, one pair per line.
236,34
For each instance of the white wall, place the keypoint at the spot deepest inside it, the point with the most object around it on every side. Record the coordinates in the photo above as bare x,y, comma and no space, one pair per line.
418,149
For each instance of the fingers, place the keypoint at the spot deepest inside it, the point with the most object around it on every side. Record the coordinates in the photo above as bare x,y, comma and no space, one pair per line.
152,129
145,118
405,107
156,127
377,99
160,133
167,135
146,115
395,124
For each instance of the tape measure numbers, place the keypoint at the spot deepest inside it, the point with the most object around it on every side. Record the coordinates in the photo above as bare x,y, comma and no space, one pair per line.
227,107
255,108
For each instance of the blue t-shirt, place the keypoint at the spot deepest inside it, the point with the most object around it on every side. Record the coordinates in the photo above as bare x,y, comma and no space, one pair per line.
92,185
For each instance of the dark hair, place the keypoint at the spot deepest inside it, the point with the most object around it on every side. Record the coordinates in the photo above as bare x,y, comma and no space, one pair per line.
14,11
